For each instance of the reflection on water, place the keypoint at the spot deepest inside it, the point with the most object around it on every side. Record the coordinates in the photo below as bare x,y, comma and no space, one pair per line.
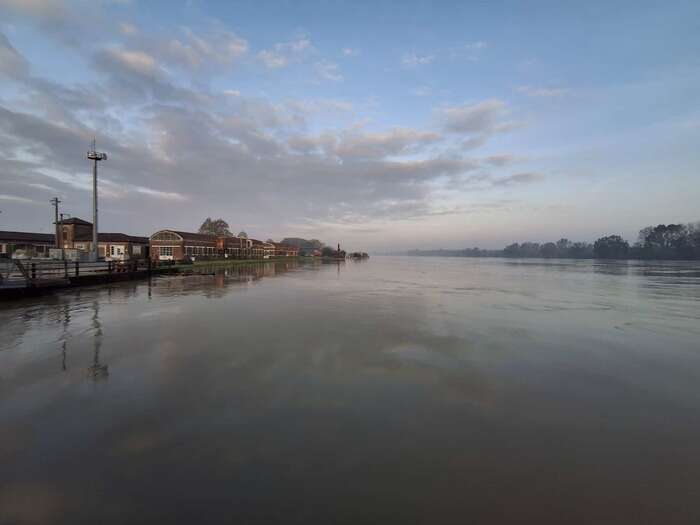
412,390
97,370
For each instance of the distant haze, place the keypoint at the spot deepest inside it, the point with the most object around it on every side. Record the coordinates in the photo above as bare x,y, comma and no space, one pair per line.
381,128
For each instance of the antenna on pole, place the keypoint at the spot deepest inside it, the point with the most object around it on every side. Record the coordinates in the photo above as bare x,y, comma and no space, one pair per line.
95,156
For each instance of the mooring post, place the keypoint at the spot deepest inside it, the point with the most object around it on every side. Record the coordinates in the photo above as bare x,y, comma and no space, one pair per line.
65,268
33,270
77,268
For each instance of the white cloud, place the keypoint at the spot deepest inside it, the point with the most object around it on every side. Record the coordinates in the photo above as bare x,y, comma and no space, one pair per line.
396,141
518,178
480,117
15,198
166,195
328,71
422,91
11,62
193,51
543,92
273,60
476,45
285,53
128,29
350,52
39,9
320,105
501,160
470,51
136,61
413,60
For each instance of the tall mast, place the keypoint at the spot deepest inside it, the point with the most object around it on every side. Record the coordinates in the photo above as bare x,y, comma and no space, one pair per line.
95,157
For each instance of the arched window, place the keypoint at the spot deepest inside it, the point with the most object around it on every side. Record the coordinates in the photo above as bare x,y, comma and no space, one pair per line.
165,235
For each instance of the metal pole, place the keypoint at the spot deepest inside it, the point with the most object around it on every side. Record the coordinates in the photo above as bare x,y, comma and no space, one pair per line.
95,157
55,202
60,237
95,251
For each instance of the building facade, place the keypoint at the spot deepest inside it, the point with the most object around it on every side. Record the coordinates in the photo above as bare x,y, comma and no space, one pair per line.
26,244
75,241
285,250
76,234
173,245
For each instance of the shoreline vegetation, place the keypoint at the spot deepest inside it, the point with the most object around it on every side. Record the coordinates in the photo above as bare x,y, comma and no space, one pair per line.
238,262
662,242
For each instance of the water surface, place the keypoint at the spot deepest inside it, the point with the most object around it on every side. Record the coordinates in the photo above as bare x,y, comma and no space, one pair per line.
398,390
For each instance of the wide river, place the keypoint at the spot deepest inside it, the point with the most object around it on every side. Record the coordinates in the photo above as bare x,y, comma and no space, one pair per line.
397,390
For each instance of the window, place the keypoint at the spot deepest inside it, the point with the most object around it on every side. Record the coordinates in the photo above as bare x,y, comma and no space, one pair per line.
112,251
136,250
166,236
166,251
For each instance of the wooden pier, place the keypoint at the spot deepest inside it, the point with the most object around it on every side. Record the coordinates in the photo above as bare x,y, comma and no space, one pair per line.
23,277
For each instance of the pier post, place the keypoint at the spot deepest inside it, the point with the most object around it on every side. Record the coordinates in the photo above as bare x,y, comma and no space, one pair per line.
33,270
65,268
77,268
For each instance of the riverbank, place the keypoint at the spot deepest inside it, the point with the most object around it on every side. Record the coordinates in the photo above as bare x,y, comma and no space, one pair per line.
236,262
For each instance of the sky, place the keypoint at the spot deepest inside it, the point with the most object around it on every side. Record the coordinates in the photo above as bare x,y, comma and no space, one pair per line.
381,125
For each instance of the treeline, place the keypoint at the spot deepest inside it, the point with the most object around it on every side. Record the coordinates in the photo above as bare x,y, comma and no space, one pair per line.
305,246
672,241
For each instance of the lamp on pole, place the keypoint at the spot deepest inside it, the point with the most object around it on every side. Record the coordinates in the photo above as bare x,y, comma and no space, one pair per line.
95,157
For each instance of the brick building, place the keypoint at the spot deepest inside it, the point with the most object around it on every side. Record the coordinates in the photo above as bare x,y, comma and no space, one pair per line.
76,234
75,237
172,245
285,250
26,243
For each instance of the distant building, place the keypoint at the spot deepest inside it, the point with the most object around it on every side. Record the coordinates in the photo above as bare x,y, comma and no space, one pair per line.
26,243
285,250
77,234
172,245
262,249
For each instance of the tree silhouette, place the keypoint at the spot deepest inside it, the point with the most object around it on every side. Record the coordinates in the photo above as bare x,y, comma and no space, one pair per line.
611,247
218,227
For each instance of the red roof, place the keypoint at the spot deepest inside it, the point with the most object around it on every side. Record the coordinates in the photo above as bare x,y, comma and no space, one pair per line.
195,236
75,220
112,237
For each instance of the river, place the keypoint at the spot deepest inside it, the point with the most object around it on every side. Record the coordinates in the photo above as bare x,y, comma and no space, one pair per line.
396,390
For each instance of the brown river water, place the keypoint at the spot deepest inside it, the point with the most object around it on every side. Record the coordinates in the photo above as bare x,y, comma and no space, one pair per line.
396,390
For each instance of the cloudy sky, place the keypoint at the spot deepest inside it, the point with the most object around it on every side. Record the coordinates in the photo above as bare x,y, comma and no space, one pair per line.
382,125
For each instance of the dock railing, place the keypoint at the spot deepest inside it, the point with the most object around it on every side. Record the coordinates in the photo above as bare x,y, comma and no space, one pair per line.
16,273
